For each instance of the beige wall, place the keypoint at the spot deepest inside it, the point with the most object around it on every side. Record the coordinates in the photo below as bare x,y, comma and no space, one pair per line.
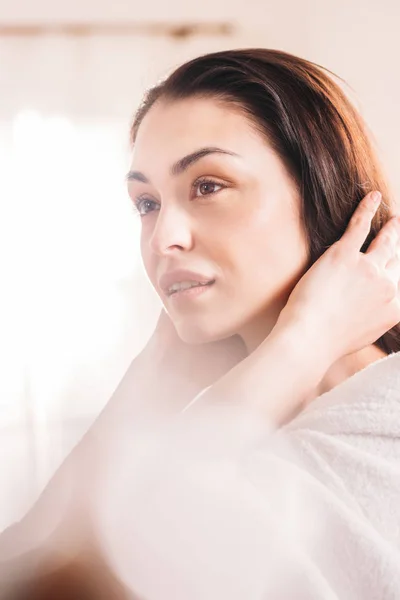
357,39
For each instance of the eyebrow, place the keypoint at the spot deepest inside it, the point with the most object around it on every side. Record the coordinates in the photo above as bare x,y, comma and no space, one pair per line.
182,164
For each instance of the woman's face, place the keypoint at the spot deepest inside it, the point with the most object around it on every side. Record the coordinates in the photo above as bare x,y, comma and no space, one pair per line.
218,209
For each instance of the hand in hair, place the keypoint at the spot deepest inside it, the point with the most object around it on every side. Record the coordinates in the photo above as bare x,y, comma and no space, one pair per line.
352,298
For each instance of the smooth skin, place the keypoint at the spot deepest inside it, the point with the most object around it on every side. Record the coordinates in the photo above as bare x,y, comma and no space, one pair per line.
231,215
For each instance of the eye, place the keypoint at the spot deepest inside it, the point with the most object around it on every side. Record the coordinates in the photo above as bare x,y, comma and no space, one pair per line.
205,187
145,205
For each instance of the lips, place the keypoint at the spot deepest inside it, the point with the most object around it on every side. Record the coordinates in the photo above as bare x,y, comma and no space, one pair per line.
184,286
183,279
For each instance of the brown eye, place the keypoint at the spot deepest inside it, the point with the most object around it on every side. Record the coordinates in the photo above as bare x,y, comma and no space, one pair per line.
205,188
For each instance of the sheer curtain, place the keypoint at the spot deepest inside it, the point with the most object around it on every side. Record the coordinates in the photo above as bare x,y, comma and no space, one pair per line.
75,305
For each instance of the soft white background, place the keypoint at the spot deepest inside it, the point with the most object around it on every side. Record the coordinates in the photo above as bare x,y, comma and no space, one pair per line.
75,306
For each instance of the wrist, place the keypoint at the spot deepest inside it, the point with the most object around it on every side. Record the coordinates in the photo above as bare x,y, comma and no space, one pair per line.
302,341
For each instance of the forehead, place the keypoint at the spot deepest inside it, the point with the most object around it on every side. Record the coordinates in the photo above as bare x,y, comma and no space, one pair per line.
177,127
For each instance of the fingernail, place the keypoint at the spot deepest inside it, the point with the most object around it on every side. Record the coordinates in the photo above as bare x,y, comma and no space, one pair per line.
376,197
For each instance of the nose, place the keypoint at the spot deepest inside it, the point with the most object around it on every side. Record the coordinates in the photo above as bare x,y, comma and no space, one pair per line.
172,231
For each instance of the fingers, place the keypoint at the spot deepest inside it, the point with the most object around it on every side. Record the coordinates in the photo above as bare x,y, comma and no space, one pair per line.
360,223
386,244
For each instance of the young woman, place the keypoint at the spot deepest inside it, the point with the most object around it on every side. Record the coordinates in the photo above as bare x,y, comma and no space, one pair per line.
269,234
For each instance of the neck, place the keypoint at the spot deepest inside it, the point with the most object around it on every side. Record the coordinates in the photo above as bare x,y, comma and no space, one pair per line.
254,333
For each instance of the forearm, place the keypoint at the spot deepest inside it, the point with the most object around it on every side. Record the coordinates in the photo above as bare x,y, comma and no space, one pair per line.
277,379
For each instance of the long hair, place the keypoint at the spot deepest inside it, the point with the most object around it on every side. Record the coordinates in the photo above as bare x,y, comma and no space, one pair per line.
312,125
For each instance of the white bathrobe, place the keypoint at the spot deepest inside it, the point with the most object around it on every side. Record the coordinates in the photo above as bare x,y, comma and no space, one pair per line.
309,512
227,511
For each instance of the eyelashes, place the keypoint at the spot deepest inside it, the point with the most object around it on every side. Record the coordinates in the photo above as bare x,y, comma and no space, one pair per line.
144,204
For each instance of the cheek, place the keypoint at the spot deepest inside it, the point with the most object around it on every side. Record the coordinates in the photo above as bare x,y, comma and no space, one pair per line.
268,253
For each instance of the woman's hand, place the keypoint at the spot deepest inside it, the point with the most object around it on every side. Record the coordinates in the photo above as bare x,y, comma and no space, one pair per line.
350,299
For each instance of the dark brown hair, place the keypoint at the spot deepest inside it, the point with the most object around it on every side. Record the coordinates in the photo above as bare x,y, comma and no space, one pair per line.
311,124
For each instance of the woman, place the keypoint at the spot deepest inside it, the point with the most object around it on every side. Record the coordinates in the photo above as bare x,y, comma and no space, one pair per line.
279,273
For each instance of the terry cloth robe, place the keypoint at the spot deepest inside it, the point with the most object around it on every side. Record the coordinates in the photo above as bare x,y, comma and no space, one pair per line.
311,511
222,509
